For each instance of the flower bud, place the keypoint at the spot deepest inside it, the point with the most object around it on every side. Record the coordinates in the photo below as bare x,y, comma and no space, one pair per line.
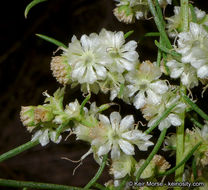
61,69
27,115
42,114
161,163
124,14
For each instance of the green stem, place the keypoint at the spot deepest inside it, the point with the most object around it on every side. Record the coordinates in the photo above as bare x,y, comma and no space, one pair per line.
194,169
18,150
180,144
184,15
83,104
35,185
172,170
195,107
159,55
180,130
164,115
99,186
123,183
99,172
151,155
159,24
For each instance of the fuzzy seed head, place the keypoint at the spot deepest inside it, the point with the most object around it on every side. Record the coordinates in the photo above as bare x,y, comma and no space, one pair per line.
60,69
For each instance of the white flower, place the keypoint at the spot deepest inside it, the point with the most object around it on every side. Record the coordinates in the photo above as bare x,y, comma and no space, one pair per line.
185,71
44,136
144,84
153,112
71,111
124,56
114,135
174,22
87,59
193,46
128,10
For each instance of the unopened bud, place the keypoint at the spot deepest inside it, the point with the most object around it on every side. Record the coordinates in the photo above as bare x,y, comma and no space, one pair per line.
161,163
61,69
124,14
27,115
42,114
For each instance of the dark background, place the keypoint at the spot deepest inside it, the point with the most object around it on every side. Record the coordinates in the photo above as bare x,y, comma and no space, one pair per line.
25,74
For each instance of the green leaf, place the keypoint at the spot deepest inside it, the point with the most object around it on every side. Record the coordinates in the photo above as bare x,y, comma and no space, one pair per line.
52,40
195,107
168,51
31,5
128,34
152,34
193,14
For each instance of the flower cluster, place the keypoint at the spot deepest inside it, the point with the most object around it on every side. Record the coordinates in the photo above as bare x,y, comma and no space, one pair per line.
97,62
174,25
193,46
129,10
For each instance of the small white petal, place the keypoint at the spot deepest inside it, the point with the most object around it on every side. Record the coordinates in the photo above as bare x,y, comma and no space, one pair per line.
130,46
104,149
90,76
104,119
165,123
126,147
115,152
36,135
176,72
159,87
115,119
174,119
53,137
139,100
203,72
127,123
44,139
153,97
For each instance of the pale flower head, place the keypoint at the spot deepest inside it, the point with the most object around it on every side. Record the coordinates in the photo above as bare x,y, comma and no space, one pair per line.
86,58
153,112
195,136
193,46
61,69
122,166
129,10
123,56
144,84
115,135
174,24
186,72
157,165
